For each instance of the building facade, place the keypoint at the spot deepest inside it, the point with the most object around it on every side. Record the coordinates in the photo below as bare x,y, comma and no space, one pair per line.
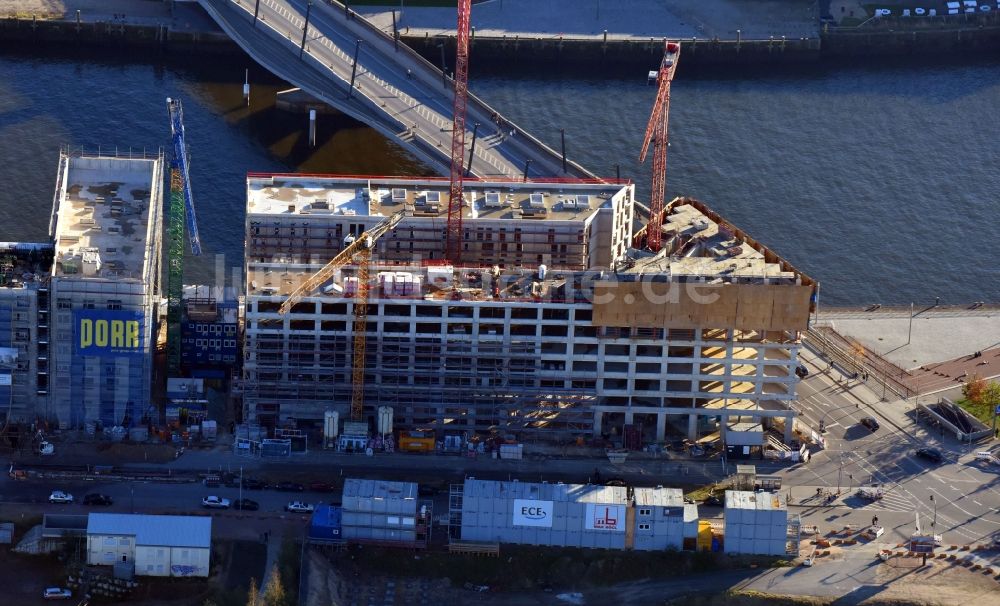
685,341
161,546
24,351
758,523
381,512
210,332
573,515
105,287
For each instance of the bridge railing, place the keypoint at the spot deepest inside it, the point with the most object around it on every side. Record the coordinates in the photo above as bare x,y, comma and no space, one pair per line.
487,109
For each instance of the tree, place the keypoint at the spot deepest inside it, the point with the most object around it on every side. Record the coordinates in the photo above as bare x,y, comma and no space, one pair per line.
253,596
974,388
274,591
990,396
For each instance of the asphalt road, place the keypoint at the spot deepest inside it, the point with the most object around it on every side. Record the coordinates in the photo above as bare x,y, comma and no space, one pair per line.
966,495
414,107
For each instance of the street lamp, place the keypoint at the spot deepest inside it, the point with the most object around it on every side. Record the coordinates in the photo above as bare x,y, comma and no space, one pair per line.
934,523
851,476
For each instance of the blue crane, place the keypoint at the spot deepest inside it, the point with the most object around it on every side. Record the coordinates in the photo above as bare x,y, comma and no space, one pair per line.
181,160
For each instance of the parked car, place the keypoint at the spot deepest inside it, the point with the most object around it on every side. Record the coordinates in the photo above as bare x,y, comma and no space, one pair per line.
931,454
253,484
678,445
615,482
59,496
97,499
321,487
246,505
213,502
299,507
870,423
289,487
801,372
713,501
57,593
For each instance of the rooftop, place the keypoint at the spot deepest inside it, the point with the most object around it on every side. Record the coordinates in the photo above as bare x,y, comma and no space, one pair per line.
23,263
159,531
659,497
102,215
573,493
760,501
379,489
697,243
426,197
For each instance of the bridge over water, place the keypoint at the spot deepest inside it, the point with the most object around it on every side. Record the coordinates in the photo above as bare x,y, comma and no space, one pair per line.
396,91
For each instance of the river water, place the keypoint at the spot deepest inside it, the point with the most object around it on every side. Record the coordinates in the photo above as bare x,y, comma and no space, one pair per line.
880,182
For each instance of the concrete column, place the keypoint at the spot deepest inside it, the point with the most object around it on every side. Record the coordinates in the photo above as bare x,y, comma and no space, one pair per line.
789,425
693,426
598,421
661,427
723,421
629,416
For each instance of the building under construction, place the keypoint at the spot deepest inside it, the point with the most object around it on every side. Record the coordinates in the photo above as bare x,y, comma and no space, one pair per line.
553,324
77,314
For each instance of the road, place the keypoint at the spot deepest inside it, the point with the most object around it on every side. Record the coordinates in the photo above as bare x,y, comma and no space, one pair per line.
966,495
395,91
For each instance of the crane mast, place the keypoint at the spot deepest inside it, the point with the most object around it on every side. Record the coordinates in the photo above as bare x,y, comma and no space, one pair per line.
181,214
657,135
358,252
453,244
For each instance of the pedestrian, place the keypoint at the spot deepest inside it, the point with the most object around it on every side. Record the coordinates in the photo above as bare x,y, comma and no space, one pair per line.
512,131
409,75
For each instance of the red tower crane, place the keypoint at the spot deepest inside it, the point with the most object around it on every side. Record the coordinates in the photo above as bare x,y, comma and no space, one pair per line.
656,133
453,245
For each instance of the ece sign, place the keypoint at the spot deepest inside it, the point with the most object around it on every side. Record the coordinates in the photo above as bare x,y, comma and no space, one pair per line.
605,517
107,334
528,512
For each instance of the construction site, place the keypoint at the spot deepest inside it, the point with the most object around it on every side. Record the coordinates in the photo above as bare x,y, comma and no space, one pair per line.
691,340
543,308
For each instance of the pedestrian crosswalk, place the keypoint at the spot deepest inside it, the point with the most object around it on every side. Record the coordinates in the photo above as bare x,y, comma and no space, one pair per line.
892,500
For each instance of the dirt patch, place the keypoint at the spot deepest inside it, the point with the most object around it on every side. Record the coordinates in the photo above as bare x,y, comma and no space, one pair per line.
521,568
24,577
106,453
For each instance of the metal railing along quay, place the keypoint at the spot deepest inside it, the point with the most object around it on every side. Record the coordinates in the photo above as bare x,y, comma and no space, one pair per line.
855,358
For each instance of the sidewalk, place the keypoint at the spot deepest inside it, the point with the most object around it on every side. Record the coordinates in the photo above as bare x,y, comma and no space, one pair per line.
638,19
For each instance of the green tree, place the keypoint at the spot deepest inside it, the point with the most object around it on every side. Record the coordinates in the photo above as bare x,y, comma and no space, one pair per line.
990,397
274,591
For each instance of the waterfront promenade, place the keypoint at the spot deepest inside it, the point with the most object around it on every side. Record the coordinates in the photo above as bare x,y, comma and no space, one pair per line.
622,19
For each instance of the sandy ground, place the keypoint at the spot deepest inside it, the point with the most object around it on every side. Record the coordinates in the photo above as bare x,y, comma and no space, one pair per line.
134,11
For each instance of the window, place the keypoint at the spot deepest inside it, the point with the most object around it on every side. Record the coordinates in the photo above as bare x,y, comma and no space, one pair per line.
123,542
114,304
392,520
644,512
643,526
64,304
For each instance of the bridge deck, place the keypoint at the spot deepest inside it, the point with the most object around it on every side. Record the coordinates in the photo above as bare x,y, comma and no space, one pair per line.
396,91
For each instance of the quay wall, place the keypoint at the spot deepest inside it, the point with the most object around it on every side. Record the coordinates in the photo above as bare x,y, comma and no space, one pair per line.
887,37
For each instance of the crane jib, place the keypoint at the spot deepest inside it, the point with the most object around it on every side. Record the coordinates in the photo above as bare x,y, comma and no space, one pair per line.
181,157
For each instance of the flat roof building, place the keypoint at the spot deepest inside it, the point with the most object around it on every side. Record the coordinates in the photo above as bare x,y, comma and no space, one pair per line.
383,512
573,515
758,523
553,324
176,546
24,348
105,287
